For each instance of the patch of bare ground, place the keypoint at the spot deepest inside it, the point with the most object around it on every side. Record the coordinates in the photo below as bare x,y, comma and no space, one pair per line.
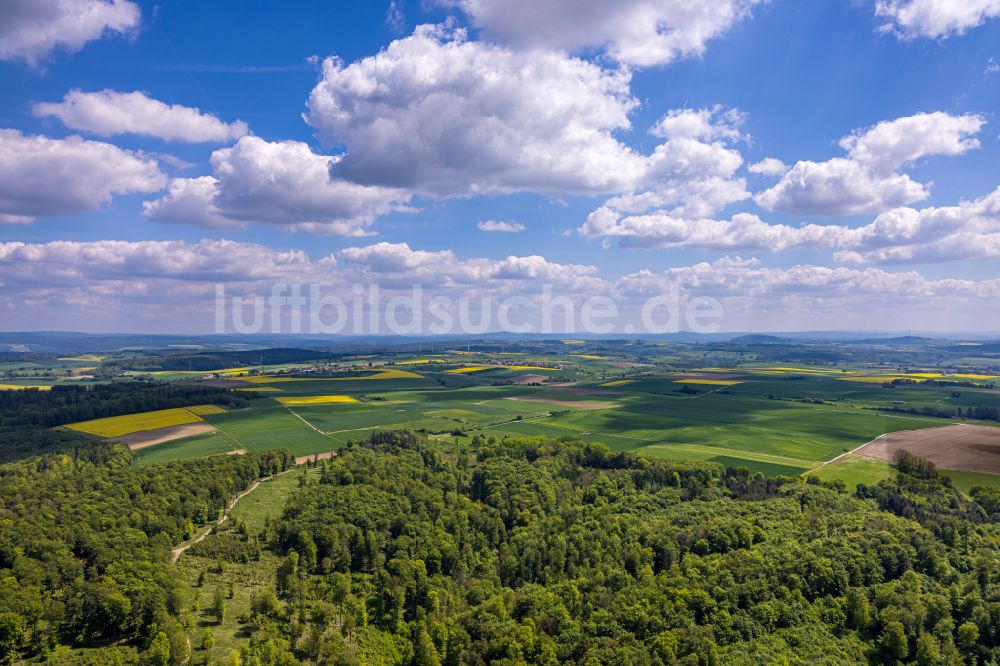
968,448
527,379
147,438
302,460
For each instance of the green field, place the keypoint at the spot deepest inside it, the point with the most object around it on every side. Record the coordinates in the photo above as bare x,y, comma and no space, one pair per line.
853,470
269,425
209,444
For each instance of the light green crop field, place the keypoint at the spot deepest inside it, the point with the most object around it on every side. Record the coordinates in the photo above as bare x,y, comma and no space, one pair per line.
269,425
198,446
969,480
853,470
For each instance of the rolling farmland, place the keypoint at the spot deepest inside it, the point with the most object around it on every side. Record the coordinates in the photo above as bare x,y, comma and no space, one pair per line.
775,419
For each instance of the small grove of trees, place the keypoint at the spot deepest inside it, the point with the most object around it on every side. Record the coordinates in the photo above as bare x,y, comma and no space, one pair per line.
907,463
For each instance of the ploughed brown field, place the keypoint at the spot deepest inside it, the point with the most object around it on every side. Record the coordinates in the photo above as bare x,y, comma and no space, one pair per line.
141,440
528,379
962,447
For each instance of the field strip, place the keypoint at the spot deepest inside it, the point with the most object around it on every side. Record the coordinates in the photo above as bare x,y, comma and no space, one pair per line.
176,553
753,456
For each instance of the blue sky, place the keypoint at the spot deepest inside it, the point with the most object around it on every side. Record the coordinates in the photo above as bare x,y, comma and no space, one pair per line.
564,120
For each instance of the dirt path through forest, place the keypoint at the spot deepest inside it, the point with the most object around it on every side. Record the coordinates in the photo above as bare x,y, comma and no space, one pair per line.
176,553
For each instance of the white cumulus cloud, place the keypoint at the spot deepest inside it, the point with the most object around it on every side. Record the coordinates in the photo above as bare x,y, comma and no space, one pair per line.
868,180
692,173
634,32
936,19
282,183
769,166
109,112
442,115
31,29
41,177
500,226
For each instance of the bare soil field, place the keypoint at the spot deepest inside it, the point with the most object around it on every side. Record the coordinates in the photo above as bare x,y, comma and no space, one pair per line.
962,447
147,438
528,379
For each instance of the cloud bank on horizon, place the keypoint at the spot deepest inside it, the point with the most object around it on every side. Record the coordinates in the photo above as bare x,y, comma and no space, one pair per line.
604,149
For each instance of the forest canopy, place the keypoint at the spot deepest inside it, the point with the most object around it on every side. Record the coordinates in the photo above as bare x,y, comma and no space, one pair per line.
413,551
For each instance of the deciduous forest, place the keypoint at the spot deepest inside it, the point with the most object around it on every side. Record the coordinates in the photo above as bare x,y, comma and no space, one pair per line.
406,551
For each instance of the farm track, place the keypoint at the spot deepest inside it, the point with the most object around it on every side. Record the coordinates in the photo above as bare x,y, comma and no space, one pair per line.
844,454
293,413
176,553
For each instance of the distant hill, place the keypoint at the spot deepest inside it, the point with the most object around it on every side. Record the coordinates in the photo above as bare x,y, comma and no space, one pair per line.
899,340
759,339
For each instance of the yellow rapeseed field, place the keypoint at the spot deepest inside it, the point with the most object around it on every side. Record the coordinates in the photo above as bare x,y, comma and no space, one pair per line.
317,400
617,382
469,368
83,357
116,426
21,387
202,410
